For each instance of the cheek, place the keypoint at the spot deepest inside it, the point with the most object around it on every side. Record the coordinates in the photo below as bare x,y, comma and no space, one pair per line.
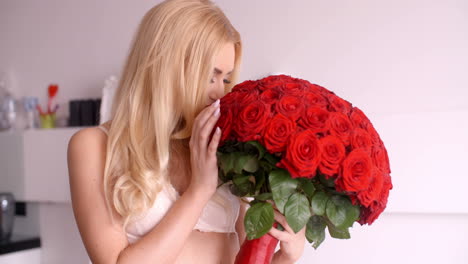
215,89
210,93
211,89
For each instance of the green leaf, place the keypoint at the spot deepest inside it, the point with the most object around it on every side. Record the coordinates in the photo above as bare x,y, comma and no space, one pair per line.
226,162
251,165
297,211
236,191
307,186
319,203
272,160
267,166
264,196
338,233
260,149
259,179
243,184
341,212
254,202
258,220
240,162
240,179
315,231
282,186
327,182
245,162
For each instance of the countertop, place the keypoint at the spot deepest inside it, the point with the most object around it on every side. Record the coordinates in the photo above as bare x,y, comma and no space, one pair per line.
19,242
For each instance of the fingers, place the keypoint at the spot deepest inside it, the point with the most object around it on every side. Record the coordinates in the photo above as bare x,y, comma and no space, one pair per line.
205,114
280,235
203,126
214,143
272,203
207,128
282,220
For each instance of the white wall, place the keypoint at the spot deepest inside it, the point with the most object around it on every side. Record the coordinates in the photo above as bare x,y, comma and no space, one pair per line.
402,62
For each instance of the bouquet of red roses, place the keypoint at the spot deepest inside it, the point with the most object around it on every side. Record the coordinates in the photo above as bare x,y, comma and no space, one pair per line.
311,153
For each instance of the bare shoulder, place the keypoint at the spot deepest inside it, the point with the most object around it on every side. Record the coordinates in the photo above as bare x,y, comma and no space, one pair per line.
103,237
89,139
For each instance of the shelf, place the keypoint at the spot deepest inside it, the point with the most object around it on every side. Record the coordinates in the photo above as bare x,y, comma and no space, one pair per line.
34,164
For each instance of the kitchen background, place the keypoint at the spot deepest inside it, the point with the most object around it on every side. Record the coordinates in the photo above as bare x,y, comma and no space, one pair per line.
403,62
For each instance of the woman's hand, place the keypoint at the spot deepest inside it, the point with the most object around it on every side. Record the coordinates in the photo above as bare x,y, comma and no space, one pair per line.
203,151
291,244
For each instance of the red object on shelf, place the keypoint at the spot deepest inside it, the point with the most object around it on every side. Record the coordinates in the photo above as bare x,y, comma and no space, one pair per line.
53,89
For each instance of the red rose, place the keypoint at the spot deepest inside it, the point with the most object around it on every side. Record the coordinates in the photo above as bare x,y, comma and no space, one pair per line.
277,133
327,93
359,119
373,134
380,158
340,126
303,155
251,121
373,191
229,100
333,153
273,81
339,105
294,88
247,86
246,98
354,199
271,96
315,100
361,139
356,172
314,118
370,214
290,106
225,123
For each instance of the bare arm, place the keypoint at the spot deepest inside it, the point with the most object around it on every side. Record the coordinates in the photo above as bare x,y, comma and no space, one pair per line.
106,241
164,242
240,221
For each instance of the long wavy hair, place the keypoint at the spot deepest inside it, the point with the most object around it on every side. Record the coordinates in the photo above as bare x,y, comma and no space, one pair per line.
160,92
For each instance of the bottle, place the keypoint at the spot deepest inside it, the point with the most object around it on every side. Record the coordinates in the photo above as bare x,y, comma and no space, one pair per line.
7,215
9,109
31,114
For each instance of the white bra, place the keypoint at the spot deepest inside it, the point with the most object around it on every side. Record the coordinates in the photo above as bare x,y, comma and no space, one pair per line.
219,214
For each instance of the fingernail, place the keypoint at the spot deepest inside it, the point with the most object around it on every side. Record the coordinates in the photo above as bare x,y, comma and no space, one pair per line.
216,113
216,103
218,130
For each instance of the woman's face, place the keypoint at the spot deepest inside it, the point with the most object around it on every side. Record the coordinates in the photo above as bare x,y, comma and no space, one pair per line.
221,75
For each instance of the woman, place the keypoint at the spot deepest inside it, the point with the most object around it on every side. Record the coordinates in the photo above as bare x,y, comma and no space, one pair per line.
144,184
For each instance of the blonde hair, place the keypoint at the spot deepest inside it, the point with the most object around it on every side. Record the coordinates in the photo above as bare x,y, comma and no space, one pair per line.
160,92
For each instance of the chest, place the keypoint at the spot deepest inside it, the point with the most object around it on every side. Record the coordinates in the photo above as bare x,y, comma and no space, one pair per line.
209,248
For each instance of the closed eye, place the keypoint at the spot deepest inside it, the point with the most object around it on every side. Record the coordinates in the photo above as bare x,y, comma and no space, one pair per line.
226,81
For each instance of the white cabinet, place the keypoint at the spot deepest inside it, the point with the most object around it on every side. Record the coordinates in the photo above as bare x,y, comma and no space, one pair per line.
33,164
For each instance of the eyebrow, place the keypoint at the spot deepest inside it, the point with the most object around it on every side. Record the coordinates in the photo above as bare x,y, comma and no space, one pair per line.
218,71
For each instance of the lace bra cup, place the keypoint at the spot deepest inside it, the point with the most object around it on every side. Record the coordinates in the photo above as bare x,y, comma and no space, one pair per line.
219,214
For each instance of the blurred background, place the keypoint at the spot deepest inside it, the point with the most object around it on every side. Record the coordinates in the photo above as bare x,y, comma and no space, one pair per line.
403,62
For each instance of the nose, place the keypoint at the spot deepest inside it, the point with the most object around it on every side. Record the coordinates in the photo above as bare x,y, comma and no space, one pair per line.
220,88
